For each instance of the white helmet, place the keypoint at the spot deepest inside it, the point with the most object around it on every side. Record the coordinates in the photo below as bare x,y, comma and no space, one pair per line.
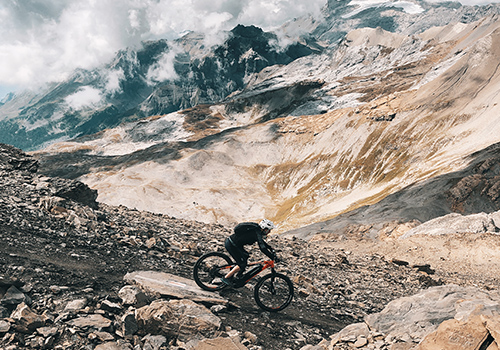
267,224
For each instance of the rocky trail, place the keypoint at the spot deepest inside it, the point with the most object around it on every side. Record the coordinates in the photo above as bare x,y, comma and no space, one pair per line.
64,258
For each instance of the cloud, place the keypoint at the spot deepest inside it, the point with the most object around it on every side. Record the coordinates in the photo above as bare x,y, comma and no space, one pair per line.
85,97
45,40
163,69
113,79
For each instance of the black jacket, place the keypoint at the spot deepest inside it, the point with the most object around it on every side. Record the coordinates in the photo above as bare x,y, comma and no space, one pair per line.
248,233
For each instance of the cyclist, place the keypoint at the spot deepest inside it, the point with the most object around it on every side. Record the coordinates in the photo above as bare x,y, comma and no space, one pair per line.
247,233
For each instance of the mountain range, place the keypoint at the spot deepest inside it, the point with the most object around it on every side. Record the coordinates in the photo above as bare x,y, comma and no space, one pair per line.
371,114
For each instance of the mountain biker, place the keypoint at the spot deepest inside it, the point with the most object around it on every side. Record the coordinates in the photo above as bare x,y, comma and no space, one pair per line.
247,233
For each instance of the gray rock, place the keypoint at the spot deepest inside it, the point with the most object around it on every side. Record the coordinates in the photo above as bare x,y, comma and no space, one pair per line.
154,342
75,305
351,333
169,285
455,223
4,326
421,314
14,296
133,295
91,321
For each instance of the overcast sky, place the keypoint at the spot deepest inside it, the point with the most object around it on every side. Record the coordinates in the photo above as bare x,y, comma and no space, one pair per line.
45,40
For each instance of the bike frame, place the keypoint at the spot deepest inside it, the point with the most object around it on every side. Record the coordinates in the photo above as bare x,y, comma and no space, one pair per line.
266,264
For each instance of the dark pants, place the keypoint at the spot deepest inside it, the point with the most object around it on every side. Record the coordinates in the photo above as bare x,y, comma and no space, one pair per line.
239,254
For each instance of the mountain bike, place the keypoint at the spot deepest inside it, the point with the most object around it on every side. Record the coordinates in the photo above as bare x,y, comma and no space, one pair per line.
273,292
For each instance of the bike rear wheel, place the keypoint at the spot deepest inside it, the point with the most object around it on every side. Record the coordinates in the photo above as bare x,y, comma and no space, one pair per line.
210,268
274,292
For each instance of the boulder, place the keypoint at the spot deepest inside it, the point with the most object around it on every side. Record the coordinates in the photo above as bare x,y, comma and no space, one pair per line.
457,335
75,190
172,286
455,223
173,317
26,320
416,316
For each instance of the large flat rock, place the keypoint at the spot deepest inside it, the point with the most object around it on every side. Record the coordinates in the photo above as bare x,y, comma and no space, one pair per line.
172,286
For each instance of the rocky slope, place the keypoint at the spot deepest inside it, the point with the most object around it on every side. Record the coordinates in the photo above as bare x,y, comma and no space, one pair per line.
64,259
68,261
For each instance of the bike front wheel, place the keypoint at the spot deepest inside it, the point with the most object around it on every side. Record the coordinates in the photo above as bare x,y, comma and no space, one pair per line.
274,292
210,268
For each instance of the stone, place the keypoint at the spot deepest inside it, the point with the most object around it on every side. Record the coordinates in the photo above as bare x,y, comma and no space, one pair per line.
312,347
360,342
454,223
174,316
132,295
172,286
215,344
118,345
14,296
251,337
109,306
26,320
456,335
91,321
4,326
47,331
104,336
218,308
351,333
75,305
493,326
75,190
421,314
154,342
129,324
